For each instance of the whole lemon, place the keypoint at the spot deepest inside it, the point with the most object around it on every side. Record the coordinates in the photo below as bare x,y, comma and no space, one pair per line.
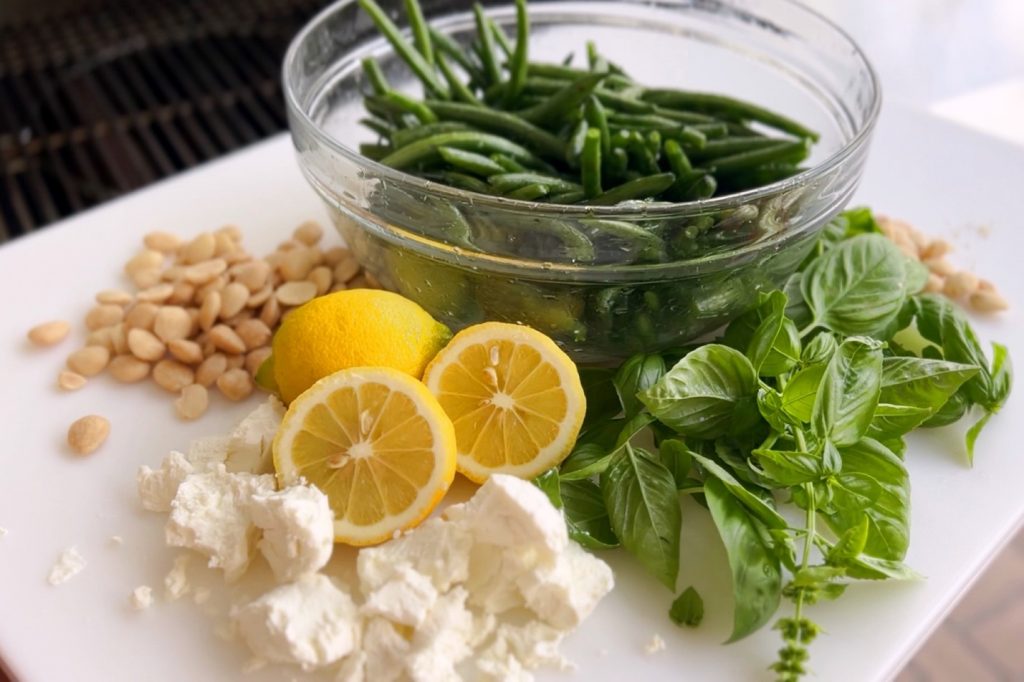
353,328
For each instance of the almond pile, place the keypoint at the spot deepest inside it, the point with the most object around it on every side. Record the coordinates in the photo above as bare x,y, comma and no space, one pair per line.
961,286
201,313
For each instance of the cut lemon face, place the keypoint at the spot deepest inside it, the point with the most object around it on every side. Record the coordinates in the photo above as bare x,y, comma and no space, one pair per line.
376,442
514,396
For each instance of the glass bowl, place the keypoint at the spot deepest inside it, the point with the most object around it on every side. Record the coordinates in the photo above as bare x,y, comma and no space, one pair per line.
579,273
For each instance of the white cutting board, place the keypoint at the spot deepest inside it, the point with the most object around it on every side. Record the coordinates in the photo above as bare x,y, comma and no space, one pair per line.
945,179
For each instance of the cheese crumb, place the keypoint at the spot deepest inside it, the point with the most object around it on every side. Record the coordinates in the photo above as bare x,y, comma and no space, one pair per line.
157,488
298,530
3,531
566,592
141,597
249,444
70,564
176,582
204,454
210,514
310,622
116,540
406,599
655,645
436,548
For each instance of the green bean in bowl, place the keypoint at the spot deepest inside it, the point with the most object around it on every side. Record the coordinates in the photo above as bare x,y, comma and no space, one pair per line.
622,176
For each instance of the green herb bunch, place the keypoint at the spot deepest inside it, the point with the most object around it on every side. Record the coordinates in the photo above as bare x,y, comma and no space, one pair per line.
804,401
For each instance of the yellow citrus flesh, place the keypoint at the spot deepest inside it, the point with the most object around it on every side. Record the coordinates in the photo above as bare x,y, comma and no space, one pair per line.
377,443
353,328
514,397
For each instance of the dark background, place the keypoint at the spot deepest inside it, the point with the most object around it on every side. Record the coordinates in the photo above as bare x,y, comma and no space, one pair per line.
100,97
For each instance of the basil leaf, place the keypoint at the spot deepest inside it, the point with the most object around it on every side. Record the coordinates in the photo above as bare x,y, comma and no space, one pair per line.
849,392
585,460
789,468
891,421
858,287
797,309
917,275
677,459
941,322
800,393
769,404
921,382
548,483
851,542
774,346
632,427
687,609
600,394
643,507
586,517
603,433
708,393
952,411
1002,378
637,374
866,567
756,573
820,349
875,484
757,506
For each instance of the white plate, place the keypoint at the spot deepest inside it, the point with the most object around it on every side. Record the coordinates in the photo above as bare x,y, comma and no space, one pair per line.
945,179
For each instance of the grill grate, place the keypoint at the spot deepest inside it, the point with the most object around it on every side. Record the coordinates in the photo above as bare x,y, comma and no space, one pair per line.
108,96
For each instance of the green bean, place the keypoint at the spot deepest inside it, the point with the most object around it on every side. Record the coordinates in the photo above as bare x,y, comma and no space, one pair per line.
573,197
597,117
413,58
477,164
576,139
447,46
500,37
692,138
735,145
374,151
618,162
529,192
424,150
567,59
400,103
647,121
373,72
382,128
517,64
590,163
640,188
613,100
678,162
486,46
760,176
594,60
559,71
700,187
459,89
540,141
647,245
565,100
617,81
508,164
420,34
742,130
729,106
712,131
506,182
691,117
401,138
790,152
462,181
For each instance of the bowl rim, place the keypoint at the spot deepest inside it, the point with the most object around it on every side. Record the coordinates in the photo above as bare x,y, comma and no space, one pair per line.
645,209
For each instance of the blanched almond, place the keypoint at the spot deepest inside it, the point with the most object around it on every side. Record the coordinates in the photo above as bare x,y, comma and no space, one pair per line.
184,293
165,242
172,322
211,368
115,297
253,275
173,274
103,315
147,259
119,339
295,293
253,333
296,264
232,231
128,369
204,272
233,299
146,278
223,244
935,283
260,297
157,293
988,301
309,232
141,316
192,402
49,333
322,277
209,311
70,381
940,266
88,433
235,384
201,248
960,284
255,358
216,284
189,352
270,313
335,255
235,362
172,376
225,338
89,361
145,346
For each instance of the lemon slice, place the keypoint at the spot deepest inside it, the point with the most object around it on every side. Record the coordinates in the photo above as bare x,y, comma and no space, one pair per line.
514,396
376,442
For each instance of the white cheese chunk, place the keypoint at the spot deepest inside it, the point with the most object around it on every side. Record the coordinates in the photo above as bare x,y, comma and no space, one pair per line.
442,641
494,575
533,644
406,599
142,597
298,530
352,668
3,531
386,651
437,548
563,594
206,453
249,447
176,582
311,623
210,514
69,564
157,488
510,512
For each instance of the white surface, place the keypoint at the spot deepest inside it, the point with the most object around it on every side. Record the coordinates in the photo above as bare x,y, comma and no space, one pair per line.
945,179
